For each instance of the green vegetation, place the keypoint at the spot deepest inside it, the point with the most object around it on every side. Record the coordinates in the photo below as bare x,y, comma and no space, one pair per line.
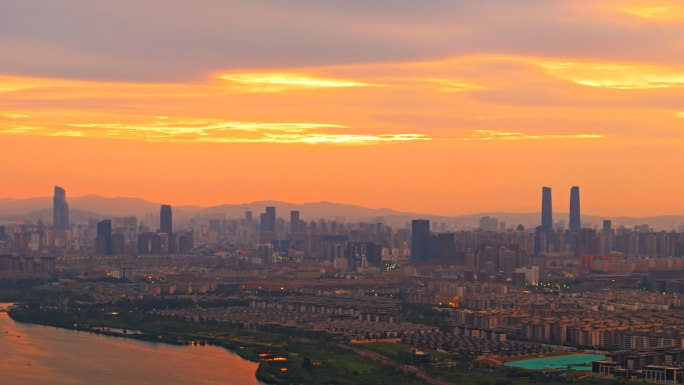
394,351
299,357
421,314
283,359
18,290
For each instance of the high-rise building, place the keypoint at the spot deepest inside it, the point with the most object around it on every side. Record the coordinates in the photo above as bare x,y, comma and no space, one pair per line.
263,222
294,222
358,251
263,253
575,223
471,259
420,239
118,243
547,209
104,230
185,244
271,218
447,247
165,220
60,209
607,226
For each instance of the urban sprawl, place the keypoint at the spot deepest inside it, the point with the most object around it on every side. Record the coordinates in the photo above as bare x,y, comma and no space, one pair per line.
506,290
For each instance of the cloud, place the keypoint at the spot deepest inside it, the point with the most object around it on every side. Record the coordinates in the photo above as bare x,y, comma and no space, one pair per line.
658,10
188,40
180,130
68,133
502,135
617,76
680,114
454,85
284,81
15,116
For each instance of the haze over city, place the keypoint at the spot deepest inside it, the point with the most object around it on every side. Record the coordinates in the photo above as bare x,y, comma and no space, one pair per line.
286,192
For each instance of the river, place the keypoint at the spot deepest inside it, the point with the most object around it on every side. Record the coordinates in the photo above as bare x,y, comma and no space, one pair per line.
35,354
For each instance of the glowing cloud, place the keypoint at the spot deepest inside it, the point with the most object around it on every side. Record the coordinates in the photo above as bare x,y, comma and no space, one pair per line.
68,133
680,114
165,129
503,135
659,11
315,138
15,116
623,77
453,85
281,81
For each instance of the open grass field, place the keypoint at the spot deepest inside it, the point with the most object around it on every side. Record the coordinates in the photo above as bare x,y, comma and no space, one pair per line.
392,350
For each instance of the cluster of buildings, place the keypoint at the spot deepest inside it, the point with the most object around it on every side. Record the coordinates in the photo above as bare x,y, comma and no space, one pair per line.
340,317
507,290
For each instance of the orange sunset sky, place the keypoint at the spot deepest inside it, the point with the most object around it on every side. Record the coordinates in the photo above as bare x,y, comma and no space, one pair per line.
442,107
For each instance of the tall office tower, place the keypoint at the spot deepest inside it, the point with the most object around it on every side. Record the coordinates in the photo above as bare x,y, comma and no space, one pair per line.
471,261
420,239
166,220
263,222
294,222
104,230
607,226
575,223
547,208
493,224
60,209
248,217
484,223
447,247
271,218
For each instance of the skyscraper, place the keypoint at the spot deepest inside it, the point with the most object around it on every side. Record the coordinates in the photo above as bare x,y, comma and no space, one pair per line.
166,220
263,222
270,218
60,209
294,222
104,232
547,208
575,223
607,226
420,239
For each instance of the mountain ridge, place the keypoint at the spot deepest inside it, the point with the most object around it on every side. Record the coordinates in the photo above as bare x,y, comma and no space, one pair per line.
97,206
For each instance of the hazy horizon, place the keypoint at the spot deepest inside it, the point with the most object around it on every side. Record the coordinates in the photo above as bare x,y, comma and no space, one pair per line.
531,211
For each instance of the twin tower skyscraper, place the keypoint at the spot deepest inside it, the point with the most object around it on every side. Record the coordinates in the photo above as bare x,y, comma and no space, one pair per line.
547,209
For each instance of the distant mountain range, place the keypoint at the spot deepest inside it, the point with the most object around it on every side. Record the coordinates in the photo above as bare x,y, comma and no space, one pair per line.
99,207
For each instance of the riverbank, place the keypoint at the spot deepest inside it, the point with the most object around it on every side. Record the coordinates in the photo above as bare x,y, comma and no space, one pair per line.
36,354
281,359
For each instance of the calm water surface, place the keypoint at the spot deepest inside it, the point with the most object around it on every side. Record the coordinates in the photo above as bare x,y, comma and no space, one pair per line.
43,355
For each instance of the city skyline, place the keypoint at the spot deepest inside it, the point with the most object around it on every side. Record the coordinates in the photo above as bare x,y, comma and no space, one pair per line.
565,208
565,89
352,192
